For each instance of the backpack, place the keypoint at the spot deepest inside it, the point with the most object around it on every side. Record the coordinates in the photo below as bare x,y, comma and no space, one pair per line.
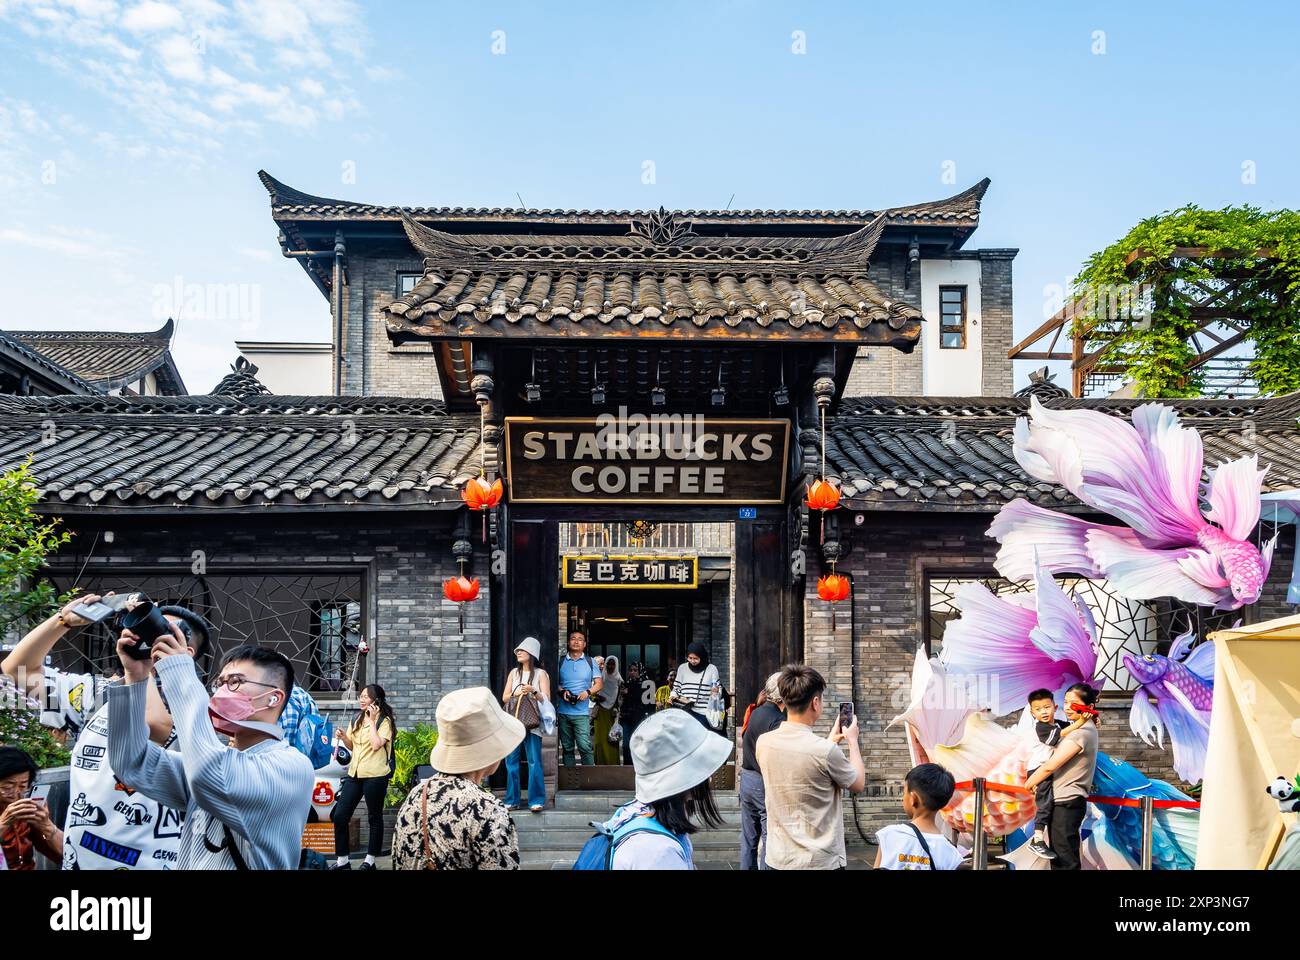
314,735
598,852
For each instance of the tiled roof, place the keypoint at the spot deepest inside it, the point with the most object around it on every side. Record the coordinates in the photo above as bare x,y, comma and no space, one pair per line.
956,453
659,275
960,210
42,365
574,302
109,360
261,452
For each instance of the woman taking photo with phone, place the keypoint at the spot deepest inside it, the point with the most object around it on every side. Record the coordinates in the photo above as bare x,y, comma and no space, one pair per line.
527,688
370,738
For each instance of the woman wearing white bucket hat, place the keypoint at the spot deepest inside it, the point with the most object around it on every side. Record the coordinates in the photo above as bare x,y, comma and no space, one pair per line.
674,756
450,822
527,687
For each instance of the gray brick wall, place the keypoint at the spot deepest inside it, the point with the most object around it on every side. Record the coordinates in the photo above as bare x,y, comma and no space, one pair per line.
372,364
996,318
884,371
419,650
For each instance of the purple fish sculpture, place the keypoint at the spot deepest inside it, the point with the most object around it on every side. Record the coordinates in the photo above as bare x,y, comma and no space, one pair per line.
1006,647
1182,685
1146,474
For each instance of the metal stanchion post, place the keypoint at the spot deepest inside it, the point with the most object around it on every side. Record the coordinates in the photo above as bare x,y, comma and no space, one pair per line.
1148,821
980,858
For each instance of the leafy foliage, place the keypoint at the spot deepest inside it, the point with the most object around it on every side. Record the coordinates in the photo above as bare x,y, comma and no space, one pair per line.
25,541
20,726
410,750
1157,355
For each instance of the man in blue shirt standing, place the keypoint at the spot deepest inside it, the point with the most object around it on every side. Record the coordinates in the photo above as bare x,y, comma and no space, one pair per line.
579,681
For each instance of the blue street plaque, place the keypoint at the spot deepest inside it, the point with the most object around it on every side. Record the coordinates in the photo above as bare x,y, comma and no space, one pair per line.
749,513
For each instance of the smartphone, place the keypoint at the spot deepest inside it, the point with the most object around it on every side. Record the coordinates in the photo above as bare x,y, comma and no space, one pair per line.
101,610
41,793
846,715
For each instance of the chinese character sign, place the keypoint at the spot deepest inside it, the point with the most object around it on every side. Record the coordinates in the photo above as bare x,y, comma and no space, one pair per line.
603,571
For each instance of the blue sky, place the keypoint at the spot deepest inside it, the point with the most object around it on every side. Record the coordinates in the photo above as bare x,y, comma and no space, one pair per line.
131,132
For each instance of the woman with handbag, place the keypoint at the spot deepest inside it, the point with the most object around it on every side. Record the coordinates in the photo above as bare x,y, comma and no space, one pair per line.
370,738
449,822
527,688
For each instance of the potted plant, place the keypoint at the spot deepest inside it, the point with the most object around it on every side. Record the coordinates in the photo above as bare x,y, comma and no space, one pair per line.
411,750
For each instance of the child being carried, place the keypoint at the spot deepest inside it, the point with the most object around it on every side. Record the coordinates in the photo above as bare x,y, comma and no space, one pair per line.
1048,732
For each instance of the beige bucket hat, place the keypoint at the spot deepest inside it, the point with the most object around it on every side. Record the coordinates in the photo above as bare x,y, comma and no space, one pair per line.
532,646
473,732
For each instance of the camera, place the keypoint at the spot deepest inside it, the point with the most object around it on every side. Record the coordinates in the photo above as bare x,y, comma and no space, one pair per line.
569,696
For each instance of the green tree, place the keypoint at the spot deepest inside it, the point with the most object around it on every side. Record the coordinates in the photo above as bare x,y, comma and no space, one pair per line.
26,539
1255,263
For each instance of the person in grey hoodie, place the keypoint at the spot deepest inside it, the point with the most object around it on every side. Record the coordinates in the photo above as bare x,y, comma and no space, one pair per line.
245,803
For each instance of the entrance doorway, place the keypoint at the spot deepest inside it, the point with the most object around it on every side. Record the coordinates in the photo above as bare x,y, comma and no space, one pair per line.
654,635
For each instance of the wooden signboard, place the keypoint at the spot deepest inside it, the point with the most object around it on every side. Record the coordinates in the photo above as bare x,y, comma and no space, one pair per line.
655,459
645,572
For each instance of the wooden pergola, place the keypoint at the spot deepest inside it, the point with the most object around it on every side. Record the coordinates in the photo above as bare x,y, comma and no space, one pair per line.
1218,309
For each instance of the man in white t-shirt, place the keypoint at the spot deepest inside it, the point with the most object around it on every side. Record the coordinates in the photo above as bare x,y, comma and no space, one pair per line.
109,826
918,844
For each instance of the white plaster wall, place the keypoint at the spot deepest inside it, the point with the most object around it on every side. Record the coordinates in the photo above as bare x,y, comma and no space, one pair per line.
291,372
951,373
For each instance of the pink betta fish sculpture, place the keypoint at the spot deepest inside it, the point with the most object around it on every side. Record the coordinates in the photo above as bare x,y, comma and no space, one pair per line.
1009,646
1146,474
1182,685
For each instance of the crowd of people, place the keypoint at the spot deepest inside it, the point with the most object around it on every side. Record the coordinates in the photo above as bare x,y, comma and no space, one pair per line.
168,773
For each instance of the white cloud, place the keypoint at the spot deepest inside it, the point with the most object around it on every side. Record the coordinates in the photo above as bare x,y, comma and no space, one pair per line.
150,16
191,74
256,253
76,242
181,59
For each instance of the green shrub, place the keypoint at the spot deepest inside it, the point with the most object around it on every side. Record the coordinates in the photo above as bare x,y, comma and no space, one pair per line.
410,751
20,726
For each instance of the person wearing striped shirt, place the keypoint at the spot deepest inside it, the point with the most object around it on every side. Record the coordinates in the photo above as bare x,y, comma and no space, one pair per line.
245,803
694,682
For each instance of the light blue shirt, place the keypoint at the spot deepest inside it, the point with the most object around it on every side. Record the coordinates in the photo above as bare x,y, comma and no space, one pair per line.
576,676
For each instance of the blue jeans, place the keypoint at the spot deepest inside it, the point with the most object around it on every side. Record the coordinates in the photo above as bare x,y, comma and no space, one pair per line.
753,821
536,778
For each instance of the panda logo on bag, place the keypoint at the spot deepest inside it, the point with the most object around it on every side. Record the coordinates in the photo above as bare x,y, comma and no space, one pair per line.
1286,793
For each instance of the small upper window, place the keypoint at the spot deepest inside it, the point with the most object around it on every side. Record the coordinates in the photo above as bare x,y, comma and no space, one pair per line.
952,318
406,282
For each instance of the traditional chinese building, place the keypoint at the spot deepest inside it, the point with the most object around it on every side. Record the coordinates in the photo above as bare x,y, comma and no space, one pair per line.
653,388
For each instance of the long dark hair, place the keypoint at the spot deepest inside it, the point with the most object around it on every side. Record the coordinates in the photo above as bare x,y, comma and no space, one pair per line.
376,693
679,812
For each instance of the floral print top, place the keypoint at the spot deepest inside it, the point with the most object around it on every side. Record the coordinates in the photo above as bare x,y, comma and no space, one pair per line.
468,829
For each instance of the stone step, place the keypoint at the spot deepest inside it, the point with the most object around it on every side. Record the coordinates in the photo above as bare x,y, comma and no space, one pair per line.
598,801
572,838
528,822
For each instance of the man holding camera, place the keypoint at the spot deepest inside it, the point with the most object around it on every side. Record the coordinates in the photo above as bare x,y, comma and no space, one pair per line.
109,826
245,803
579,681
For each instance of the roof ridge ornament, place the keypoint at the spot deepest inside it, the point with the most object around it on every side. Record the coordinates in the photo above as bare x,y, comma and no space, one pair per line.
662,228
241,383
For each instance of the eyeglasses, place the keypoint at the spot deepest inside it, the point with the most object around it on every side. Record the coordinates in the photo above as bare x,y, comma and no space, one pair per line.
235,681
16,790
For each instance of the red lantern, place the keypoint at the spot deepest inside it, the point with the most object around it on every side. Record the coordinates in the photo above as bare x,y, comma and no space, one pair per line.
822,495
481,495
460,589
833,587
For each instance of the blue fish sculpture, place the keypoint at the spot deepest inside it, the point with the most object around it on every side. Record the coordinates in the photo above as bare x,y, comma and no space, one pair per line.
1182,686
1174,832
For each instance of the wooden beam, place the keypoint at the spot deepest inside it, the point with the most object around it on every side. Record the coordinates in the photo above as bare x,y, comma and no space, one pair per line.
1041,355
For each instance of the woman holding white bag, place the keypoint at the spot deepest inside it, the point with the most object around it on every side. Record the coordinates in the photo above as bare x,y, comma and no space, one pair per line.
527,697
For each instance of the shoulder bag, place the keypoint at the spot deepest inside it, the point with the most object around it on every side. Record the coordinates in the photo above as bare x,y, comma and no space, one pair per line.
526,711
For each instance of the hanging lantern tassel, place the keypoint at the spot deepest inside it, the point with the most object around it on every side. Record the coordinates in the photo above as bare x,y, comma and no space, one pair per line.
833,587
461,590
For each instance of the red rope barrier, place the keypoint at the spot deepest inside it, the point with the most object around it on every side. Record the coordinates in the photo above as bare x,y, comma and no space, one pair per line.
1012,788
